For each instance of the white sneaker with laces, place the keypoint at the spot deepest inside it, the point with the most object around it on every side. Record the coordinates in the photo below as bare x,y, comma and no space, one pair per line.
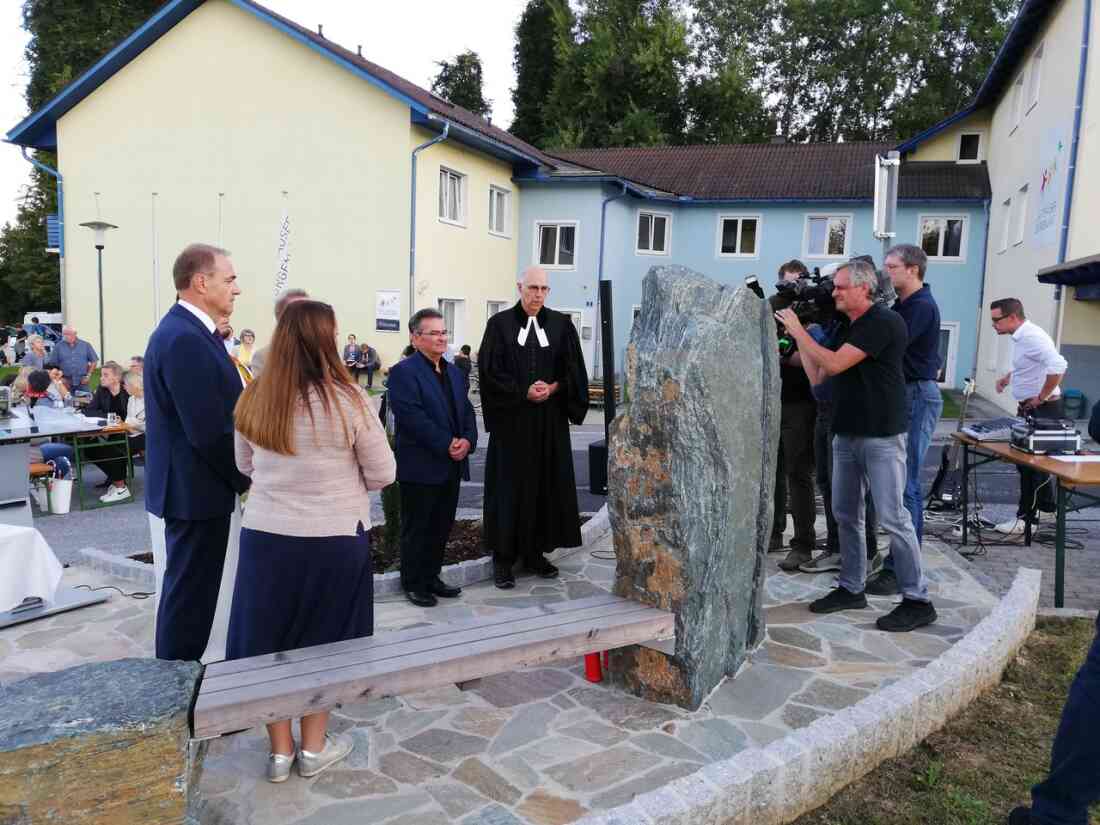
336,748
115,494
1012,527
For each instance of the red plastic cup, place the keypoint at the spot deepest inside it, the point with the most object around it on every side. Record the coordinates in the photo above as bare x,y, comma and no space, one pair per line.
592,670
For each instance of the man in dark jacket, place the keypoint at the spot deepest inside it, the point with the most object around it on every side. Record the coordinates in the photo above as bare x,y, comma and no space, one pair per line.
435,431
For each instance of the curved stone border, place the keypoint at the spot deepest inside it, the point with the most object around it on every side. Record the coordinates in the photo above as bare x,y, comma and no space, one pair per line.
385,584
778,783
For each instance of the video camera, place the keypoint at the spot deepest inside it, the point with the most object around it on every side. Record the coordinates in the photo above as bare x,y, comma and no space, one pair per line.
816,287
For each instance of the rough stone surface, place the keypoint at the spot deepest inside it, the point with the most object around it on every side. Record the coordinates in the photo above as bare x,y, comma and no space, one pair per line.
691,472
66,736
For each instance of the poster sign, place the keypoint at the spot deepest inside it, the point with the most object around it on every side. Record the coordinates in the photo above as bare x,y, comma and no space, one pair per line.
282,254
1054,164
387,310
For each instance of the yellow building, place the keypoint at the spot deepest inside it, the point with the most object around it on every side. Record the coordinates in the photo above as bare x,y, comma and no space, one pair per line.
222,122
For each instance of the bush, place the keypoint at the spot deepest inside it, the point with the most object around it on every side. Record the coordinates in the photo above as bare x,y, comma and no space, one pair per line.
391,511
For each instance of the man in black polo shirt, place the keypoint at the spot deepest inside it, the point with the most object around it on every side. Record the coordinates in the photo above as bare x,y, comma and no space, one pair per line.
906,264
869,444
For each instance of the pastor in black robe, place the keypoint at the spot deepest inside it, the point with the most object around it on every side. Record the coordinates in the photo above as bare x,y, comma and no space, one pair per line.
530,491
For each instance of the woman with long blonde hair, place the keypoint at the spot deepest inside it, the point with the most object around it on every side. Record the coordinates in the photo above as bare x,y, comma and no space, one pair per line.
311,442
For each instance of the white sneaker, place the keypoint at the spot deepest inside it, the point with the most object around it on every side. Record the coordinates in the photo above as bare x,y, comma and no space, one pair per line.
336,748
1012,527
115,494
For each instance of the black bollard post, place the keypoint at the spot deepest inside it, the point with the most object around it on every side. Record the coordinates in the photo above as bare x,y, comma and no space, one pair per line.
597,451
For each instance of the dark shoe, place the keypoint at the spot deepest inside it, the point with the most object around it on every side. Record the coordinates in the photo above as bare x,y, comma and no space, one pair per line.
883,583
824,563
909,615
776,543
838,599
1020,816
795,559
442,589
543,569
420,598
503,577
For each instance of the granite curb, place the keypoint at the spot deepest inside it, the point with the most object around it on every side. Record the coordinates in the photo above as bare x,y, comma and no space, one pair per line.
778,783
385,584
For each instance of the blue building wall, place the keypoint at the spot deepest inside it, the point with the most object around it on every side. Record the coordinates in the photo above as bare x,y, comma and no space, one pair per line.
693,242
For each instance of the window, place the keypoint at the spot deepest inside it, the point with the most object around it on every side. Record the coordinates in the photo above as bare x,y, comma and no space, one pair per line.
1006,225
948,349
452,197
738,236
828,236
970,147
493,307
1033,78
1021,216
1017,101
453,311
943,236
500,211
653,233
557,244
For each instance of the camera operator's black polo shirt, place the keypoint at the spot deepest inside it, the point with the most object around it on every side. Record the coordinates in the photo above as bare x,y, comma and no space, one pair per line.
869,398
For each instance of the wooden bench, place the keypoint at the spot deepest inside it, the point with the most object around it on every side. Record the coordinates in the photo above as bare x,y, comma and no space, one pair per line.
40,470
243,693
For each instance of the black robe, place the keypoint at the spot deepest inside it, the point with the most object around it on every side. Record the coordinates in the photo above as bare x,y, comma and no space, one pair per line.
530,491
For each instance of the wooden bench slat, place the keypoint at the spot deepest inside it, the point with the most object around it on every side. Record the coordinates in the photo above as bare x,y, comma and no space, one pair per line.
270,701
369,652
506,616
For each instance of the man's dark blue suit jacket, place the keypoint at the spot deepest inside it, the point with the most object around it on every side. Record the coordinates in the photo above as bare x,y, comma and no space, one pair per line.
423,420
191,388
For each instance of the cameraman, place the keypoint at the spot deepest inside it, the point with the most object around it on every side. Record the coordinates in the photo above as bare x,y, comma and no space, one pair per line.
869,443
795,470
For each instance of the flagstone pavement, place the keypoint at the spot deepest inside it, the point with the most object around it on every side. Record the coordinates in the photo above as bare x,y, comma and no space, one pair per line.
540,746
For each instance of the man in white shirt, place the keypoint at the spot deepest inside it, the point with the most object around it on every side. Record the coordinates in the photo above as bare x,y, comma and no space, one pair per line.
1037,370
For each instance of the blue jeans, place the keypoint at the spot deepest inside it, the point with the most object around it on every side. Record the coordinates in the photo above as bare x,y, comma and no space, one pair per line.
859,463
925,403
1074,780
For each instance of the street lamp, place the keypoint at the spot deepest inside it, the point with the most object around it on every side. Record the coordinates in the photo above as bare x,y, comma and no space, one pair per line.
100,229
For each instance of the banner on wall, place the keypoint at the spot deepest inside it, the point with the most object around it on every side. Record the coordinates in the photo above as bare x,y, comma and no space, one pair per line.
1054,160
387,310
282,252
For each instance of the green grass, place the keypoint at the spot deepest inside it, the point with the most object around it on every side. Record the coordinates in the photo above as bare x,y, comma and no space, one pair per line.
951,403
983,764
94,381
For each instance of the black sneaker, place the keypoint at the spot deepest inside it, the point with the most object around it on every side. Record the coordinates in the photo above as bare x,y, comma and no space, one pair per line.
838,599
883,583
503,577
909,615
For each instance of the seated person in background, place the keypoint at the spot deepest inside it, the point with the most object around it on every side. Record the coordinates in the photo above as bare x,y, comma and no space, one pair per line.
58,390
351,356
37,391
111,397
369,363
35,354
20,346
137,364
111,458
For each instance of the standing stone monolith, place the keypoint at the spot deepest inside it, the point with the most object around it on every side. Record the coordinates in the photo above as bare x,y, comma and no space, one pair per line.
690,479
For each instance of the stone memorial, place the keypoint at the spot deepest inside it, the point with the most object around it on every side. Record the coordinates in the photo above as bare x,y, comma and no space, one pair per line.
690,479
99,744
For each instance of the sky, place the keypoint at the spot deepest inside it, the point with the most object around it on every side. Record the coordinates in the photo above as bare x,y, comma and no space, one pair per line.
405,37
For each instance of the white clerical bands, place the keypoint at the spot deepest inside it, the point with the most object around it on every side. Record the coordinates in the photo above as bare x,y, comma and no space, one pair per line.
531,322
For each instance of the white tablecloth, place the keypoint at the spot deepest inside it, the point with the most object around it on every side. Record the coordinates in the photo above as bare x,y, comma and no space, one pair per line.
28,566
215,648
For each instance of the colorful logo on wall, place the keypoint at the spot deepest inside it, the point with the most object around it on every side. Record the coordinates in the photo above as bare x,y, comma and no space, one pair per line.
1051,188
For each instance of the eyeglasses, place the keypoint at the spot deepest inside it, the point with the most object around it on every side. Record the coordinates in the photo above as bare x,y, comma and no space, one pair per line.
998,319
435,333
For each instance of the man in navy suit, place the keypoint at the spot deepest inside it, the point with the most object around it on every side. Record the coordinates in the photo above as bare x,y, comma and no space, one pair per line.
436,430
191,478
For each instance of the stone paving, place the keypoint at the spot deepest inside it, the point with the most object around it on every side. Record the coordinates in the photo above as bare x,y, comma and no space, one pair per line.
541,746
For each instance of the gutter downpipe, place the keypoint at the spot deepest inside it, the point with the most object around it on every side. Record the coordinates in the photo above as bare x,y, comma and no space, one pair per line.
1063,243
599,277
412,211
981,297
49,170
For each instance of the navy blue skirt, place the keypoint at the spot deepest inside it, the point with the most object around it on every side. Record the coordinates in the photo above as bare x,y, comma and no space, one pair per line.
294,592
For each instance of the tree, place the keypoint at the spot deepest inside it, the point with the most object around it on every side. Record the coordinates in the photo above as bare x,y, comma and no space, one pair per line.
459,82
67,36
536,63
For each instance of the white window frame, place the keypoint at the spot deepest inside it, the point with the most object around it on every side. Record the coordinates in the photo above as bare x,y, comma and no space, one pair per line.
536,257
1034,78
504,304
807,254
635,311
1006,223
463,196
653,213
981,147
1019,229
950,360
1017,101
947,259
458,327
738,216
495,190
